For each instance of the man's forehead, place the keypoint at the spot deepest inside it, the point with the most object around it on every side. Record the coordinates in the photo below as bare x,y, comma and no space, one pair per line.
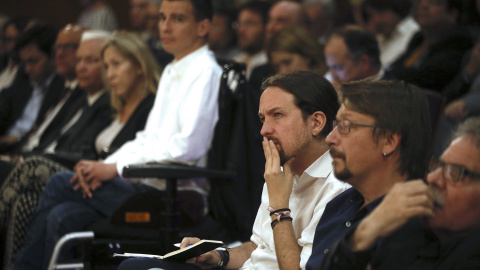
463,151
177,7
345,113
275,98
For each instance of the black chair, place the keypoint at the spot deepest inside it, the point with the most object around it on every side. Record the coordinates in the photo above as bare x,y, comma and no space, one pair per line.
148,224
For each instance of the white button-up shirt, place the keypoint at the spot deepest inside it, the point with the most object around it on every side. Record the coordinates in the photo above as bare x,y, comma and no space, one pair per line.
311,193
180,125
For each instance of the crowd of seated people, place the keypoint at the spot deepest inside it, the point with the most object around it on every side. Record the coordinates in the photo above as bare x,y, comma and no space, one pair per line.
78,104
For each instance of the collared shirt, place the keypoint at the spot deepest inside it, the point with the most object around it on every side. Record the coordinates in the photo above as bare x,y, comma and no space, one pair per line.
34,138
91,99
394,46
253,61
341,215
311,193
180,125
30,113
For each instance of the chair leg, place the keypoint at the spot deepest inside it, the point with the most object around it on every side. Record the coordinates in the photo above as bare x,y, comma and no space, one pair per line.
66,239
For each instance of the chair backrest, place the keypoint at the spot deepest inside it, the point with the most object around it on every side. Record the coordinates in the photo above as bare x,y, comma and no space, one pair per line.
237,146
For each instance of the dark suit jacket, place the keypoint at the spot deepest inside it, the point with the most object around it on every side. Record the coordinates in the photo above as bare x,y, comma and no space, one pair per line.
14,99
74,103
439,66
79,141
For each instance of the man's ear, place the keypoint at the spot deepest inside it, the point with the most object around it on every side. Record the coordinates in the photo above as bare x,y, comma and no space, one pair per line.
319,119
391,142
203,28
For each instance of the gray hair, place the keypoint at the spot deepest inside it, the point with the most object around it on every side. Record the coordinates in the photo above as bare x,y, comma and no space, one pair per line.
470,127
95,34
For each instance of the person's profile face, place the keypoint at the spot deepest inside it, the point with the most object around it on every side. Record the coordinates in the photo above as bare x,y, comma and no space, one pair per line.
461,201
89,65
282,123
180,33
356,153
38,65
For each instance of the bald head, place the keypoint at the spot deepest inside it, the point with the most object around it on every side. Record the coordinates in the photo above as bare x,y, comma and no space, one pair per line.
283,14
65,49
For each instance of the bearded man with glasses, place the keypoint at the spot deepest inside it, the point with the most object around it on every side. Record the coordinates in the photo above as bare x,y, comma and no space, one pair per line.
380,138
423,224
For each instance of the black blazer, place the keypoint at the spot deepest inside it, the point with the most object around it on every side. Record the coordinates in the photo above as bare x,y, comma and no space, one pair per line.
441,63
135,123
14,99
81,145
79,139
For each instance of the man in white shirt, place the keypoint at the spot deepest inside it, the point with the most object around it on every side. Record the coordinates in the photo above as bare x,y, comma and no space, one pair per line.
297,111
392,24
179,128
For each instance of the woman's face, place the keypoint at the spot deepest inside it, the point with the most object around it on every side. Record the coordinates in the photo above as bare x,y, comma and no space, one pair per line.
284,62
123,76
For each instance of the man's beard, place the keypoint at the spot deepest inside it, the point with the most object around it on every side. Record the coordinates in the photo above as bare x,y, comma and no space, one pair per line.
439,200
345,174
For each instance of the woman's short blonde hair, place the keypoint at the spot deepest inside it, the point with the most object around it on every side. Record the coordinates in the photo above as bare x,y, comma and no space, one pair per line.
132,47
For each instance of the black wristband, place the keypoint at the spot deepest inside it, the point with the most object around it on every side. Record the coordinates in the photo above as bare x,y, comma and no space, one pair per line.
275,221
225,259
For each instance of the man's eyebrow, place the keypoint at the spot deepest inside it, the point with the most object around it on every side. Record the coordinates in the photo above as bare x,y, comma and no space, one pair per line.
270,110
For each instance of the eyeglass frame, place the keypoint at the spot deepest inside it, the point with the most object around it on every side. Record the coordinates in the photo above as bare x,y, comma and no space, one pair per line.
462,171
335,124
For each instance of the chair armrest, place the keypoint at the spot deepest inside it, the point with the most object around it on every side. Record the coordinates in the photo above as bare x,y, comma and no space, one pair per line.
157,170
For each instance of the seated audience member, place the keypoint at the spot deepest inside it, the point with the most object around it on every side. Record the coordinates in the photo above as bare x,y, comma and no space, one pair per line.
27,100
293,48
78,130
381,138
321,15
250,27
285,13
434,54
222,38
281,14
423,224
9,62
24,185
463,99
97,15
65,47
352,54
179,128
392,24
297,111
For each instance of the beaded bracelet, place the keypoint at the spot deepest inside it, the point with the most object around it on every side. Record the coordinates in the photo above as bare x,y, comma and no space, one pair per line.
275,221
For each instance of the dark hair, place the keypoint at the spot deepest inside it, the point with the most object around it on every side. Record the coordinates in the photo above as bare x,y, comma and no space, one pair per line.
41,35
400,7
312,93
359,42
399,108
18,22
202,9
259,7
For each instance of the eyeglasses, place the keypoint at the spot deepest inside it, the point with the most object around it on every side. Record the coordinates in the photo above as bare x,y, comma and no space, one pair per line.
68,47
344,126
452,172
